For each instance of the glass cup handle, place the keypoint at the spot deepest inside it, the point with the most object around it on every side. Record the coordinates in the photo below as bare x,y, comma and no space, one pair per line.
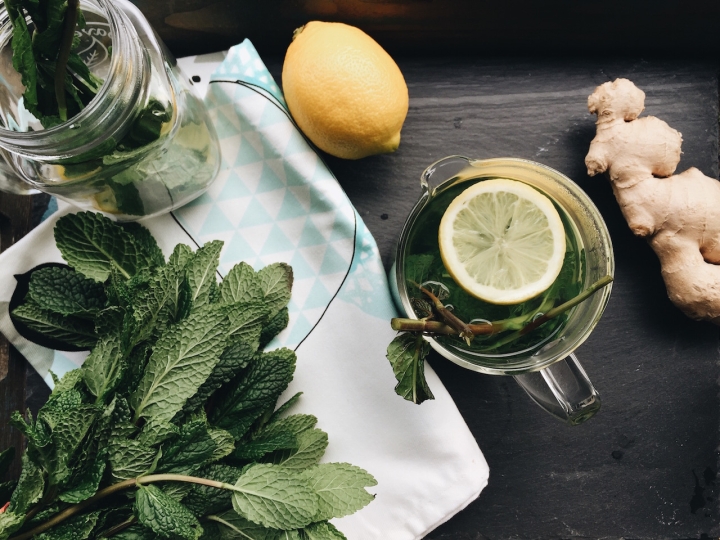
446,167
562,389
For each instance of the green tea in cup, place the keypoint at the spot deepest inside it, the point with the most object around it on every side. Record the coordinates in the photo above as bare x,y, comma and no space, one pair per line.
534,338
424,265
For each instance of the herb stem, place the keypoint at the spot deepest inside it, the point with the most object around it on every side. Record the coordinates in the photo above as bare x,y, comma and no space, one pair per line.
450,318
554,312
115,488
71,15
232,527
439,328
112,531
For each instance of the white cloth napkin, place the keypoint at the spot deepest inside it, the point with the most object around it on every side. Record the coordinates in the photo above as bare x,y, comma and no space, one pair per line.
275,200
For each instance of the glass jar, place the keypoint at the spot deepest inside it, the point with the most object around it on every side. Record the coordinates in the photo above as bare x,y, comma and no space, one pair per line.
143,146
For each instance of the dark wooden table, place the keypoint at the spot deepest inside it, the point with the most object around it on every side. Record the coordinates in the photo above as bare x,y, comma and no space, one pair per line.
645,467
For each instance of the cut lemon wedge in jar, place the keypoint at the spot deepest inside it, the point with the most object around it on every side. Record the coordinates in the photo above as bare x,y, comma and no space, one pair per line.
502,241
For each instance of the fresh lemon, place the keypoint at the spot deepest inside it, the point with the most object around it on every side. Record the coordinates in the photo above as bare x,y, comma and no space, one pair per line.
344,91
502,241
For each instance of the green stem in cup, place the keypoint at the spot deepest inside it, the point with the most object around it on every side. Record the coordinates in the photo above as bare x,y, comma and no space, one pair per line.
452,320
519,324
71,15
554,312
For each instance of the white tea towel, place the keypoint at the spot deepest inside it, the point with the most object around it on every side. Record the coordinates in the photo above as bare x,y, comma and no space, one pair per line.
275,200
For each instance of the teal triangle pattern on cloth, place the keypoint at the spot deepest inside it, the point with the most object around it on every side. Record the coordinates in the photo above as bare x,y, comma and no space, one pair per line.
274,199
243,63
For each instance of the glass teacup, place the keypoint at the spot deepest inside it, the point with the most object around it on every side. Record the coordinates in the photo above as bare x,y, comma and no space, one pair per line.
549,372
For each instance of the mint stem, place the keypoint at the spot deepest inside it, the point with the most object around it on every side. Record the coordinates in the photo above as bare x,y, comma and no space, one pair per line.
554,312
439,328
450,318
232,527
115,488
71,15
112,531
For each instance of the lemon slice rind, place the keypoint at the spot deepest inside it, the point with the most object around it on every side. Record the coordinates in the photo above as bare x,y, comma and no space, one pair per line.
502,241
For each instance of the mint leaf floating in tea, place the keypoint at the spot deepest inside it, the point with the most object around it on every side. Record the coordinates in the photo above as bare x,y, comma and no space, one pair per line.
171,428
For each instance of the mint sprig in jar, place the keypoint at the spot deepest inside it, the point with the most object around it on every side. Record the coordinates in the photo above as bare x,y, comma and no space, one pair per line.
125,136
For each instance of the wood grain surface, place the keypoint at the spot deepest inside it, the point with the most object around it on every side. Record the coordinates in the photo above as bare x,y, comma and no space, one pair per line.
645,467
15,222
429,26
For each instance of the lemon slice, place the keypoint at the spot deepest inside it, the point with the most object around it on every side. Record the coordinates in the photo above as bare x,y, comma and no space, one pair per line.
502,241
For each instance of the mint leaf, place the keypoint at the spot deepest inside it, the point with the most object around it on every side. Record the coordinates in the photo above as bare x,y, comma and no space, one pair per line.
340,488
264,443
104,368
24,59
29,489
129,459
65,328
242,284
93,245
276,284
49,32
418,267
201,273
89,481
322,531
296,423
40,447
179,303
136,532
235,527
149,253
163,301
77,528
193,447
311,447
274,326
282,409
67,292
204,500
274,497
233,359
136,362
246,320
69,426
224,444
9,523
181,360
407,353
157,431
164,515
69,381
255,390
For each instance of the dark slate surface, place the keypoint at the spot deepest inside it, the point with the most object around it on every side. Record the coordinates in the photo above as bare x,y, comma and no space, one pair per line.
645,467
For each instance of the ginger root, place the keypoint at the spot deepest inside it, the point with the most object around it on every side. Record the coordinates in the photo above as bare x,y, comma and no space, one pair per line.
678,215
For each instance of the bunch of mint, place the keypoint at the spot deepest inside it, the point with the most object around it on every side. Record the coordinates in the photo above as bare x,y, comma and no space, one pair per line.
170,428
